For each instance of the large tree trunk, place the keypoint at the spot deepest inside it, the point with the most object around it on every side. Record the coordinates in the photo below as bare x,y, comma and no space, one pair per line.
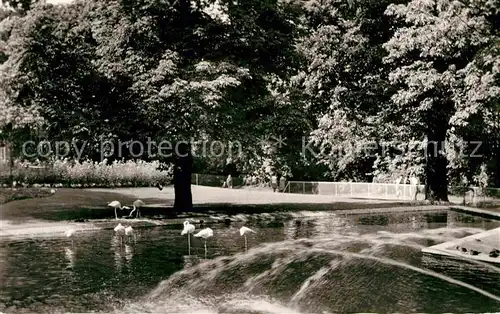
436,187
496,160
182,178
436,172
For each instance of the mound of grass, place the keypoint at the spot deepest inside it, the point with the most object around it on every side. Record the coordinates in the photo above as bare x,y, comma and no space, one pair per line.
9,195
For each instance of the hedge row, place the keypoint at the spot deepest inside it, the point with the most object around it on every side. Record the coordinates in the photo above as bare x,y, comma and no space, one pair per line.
86,173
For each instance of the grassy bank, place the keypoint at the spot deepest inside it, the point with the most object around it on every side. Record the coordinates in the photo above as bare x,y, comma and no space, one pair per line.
68,204
9,195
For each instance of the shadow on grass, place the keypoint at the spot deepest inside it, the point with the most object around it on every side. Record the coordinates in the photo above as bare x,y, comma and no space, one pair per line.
9,195
68,204
82,205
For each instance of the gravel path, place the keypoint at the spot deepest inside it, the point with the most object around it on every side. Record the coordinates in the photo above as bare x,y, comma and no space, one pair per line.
213,195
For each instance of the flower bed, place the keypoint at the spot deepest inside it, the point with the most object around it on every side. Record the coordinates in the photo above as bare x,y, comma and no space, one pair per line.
69,173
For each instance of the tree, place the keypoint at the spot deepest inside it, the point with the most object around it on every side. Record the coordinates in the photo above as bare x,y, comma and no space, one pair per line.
436,44
344,80
146,70
20,5
196,73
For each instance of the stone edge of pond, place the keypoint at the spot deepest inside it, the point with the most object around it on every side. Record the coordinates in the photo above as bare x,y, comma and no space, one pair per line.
484,213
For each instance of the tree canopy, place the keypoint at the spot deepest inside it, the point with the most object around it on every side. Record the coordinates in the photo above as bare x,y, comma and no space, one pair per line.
366,86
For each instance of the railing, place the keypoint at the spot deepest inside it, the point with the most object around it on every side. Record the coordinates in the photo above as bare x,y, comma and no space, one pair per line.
4,154
472,195
215,180
355,189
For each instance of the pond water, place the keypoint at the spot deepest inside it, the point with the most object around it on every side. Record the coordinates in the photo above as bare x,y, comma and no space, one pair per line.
313,262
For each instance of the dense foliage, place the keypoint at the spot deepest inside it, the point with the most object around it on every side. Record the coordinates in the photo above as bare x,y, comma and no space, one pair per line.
359,90
87,173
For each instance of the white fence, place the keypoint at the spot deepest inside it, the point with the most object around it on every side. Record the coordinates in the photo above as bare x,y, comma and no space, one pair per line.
4,154
356,189
389,191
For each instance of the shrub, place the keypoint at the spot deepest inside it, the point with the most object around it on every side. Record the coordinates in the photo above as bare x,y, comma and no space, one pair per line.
86,173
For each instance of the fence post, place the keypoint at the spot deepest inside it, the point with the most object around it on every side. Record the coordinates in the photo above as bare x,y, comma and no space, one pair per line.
303,188
196,178
386,190
286,186
350,184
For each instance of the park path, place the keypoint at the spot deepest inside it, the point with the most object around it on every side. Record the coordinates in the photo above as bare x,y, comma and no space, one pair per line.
214,195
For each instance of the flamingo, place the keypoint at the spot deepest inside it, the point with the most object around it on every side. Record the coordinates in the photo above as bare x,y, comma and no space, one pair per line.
137,204
120,231
69,234
205,234
116,205
188,229
243,232
129,232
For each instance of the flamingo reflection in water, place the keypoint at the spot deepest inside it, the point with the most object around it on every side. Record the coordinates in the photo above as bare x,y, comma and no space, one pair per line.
129,254
70,255
123,254
116,247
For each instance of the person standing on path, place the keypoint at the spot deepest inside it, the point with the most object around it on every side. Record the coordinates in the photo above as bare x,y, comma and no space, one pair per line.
274,182
230,171
282,183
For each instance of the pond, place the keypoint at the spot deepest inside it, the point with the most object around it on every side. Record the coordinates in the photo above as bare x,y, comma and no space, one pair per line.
312,262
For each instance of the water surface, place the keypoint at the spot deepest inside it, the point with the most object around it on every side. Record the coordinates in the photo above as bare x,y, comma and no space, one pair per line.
313,262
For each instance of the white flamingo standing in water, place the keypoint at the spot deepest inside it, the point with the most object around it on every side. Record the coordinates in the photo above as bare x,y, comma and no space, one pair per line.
243,232
130,232
136,205
188,229
120,231
205,234
116,205
69,234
